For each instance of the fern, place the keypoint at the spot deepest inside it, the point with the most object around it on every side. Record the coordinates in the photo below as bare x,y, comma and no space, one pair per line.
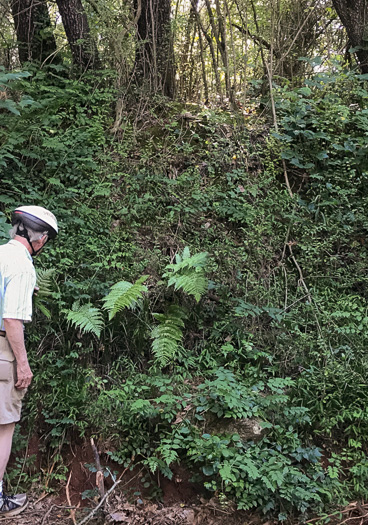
198,260
188,273
167,335
44,284
124,295
86,317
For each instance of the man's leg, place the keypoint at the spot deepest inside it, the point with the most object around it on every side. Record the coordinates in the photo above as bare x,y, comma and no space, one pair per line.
12,505
6,438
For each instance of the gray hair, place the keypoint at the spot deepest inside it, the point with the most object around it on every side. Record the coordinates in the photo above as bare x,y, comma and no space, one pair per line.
32,234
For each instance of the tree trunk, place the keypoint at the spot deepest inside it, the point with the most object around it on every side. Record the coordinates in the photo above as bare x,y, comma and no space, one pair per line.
186,51
83,47
211,47
219,34
223,48
33,28
203,64
354,16
154,57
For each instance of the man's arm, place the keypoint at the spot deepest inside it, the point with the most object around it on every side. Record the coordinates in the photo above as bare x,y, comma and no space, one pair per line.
15,336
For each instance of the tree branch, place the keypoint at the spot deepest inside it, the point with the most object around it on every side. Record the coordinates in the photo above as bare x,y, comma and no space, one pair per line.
258,39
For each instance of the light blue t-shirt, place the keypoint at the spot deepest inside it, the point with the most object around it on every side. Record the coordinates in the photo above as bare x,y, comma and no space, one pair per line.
17,282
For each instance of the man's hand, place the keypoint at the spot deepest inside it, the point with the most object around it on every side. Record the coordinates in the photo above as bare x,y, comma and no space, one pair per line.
24,374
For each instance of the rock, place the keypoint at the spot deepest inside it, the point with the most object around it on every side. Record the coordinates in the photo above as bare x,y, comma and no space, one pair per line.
247,429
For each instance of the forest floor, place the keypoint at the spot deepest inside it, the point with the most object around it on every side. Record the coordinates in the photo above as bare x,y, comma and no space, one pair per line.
117,510
50,511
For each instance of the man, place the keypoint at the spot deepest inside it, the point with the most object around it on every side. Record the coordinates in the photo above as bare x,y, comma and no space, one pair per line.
33,226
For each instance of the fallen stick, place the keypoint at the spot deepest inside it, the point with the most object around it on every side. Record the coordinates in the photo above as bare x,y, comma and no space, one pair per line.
47,514
91,514
72,512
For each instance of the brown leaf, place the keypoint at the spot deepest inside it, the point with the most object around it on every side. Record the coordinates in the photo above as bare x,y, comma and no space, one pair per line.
119,517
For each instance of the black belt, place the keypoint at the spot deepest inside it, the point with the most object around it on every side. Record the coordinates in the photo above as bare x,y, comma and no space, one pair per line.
2,333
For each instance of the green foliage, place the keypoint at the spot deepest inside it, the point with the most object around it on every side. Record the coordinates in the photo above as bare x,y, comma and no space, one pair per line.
124,295
235,334
7,103
261,474
277,472
167,335
86,318
44,284
4,229
188,273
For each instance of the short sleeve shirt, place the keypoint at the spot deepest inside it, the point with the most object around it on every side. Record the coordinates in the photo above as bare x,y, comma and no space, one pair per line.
17,282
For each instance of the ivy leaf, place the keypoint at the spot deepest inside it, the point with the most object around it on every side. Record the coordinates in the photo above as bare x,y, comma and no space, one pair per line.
208,470
322,155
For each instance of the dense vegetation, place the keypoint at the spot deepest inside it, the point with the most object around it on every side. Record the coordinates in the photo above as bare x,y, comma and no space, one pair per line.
191,288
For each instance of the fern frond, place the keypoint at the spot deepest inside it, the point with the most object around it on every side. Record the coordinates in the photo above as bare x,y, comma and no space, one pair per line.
188,273
167,335
44,282
198,260
192,283
42,308
86,317
124,295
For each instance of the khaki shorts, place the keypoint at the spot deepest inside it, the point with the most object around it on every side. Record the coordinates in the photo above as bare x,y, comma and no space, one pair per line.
10,397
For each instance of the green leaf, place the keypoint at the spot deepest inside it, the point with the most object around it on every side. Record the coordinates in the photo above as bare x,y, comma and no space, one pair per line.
167,335
208,470
10,105
124,295
86,317
188,273
305,91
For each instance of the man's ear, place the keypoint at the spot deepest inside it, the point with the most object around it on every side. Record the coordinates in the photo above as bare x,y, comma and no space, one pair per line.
44,239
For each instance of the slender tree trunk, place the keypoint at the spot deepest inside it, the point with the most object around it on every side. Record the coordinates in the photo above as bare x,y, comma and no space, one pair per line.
192,67
203,64
354,16
223,48
82,46
212,49
234,86
33,28
186,48
154,58
221,42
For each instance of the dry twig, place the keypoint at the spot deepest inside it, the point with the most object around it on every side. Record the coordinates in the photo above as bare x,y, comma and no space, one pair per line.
91,514
72,512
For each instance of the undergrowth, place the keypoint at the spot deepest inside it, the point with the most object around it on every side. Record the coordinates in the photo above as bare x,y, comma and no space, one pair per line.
190,290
